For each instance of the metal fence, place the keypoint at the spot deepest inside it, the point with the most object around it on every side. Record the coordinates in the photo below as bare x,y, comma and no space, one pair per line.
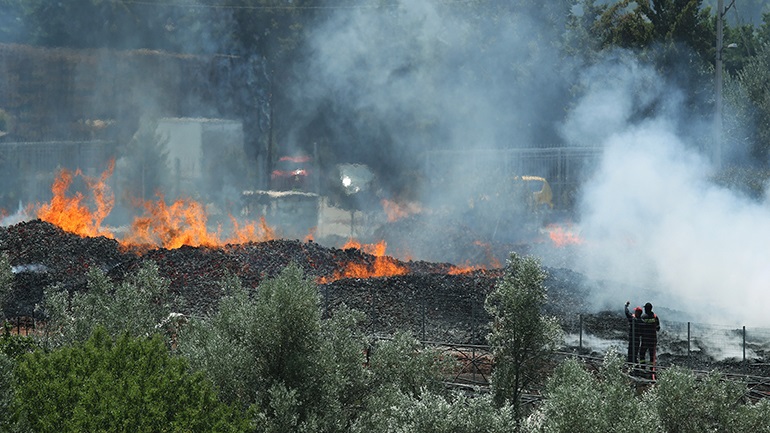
709,341
565,168
460,333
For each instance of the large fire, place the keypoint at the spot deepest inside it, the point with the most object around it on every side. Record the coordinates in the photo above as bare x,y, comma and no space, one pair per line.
173,225
71,213
183,222
383,266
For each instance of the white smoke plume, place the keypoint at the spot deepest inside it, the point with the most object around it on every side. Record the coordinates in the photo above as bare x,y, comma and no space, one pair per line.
652,218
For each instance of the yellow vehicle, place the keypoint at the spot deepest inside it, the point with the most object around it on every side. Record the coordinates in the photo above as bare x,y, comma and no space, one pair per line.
541,194
522,193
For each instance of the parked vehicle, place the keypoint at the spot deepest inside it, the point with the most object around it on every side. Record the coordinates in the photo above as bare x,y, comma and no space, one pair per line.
292,173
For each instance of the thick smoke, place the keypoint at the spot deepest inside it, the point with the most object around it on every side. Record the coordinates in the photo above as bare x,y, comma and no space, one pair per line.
421,75
650,215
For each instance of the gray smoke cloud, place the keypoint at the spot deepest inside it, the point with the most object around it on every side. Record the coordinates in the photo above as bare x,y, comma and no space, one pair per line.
429,76
424,75
651,217
395,82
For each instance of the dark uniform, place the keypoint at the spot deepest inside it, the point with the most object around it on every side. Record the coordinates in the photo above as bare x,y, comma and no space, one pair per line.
634,333
649,334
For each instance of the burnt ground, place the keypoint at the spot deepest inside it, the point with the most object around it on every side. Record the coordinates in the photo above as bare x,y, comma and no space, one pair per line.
428,301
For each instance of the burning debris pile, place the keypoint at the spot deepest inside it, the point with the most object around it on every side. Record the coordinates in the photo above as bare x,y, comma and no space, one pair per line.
436,301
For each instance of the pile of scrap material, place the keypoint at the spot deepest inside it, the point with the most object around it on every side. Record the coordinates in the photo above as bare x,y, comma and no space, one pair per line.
427,298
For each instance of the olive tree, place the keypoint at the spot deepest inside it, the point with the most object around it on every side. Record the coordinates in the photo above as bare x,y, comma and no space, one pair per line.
577,399
270,350
134,306
267,349
688,403
522,338
124,384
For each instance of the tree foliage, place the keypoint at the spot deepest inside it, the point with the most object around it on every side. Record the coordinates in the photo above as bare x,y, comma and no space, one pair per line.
434,413
272,351
122,385
522,339
580,400
754,81
6,392
135,306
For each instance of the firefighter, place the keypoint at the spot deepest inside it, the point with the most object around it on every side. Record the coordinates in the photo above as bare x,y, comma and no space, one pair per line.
649,334
634,333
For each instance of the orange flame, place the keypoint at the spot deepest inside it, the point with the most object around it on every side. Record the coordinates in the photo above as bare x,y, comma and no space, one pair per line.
183,222
383,266
377,249
251,232
561,236
70,213
466,269
396,211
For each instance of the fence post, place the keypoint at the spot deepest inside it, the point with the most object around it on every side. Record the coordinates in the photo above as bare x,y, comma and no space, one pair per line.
422,324
473,322
744,344
689,350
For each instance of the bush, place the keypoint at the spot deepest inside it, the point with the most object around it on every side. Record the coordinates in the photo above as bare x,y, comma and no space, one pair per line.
579,400
522,339
689,404
6,392
434,413
124,385
136,306
272,345
272,352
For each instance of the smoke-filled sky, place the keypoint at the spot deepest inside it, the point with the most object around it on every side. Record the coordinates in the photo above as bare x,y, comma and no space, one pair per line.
649,216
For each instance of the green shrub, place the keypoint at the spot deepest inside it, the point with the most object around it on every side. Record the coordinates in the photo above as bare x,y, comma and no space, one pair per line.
579,400
522,338
136,306
271,351
13,345
687,403
394,411
403,363
6,392
272,345
124,385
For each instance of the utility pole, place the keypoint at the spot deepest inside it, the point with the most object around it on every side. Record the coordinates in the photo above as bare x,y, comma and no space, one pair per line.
721,12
